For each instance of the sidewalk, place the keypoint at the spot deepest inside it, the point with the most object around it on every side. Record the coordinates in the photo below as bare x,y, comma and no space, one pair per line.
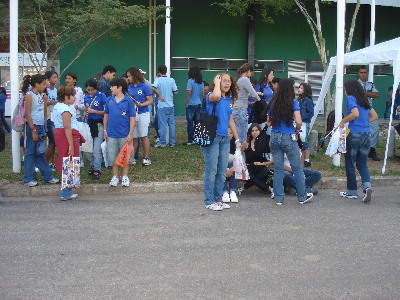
42,190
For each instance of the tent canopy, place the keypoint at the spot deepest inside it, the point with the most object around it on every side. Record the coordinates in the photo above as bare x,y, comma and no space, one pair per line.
384,53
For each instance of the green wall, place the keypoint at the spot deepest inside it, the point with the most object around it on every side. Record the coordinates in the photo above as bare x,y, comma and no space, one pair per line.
200,29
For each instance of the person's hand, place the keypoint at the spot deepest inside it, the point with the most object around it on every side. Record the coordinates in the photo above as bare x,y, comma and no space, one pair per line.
245,144
71,150
251,103
341,124
161,99
238,144
217,80
229,172
129,138
35,136
105,135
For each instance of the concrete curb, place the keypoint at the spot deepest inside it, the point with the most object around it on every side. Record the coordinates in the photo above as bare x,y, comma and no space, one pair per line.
42,190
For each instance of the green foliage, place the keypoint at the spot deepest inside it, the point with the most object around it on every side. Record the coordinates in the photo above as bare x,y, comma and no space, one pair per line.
250,8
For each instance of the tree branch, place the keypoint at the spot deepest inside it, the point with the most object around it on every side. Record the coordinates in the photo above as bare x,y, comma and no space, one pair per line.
352,27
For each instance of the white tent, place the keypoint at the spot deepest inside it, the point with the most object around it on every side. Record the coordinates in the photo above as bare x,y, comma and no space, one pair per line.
384,53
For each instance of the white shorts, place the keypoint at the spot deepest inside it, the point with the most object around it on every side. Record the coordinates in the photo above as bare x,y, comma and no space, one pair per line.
142,125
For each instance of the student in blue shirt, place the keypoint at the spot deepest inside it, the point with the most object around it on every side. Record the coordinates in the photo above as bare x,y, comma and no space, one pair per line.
141,94
119,123
194,94
222,92
264,85
284,109
94,112
167,88
359,114
104,82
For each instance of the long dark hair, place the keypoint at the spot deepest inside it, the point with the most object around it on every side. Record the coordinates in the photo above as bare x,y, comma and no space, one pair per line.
307,91
282,103
233,89
195,74
244,68
354,88
136,74
249,136
32,81
264,75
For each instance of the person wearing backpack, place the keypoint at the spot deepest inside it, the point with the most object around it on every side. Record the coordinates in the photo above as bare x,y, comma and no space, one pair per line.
35,131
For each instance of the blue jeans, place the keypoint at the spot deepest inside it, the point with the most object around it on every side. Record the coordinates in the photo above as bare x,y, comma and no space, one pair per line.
230,182
312,177
305,144
240,116
357,152
166,117
215,163
35,155
96,158
66,193
3,120
50,133
192,118
280,144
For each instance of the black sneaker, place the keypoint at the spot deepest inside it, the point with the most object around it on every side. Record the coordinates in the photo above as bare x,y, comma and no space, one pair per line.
91,170
96,175
308,198
374,157
307,164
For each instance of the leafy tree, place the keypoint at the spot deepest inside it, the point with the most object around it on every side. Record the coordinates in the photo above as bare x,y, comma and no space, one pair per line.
47,26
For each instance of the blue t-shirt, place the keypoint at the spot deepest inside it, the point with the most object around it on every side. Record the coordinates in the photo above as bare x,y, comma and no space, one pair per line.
266,90
119,116
140,92
166,86
360,124
223,111
97,102
3,99
196,92
283,127
58,110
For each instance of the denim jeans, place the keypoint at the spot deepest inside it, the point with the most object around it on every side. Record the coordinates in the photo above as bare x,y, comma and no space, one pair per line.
240,116
357,152
3,120
305,144
50,133
96,158
280,144
192,118
66,193
32,157
166,117
215,163
230,182
311,178
374,132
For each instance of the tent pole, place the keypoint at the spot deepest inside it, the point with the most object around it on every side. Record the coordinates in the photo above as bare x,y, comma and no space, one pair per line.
168,36
14,80
341,11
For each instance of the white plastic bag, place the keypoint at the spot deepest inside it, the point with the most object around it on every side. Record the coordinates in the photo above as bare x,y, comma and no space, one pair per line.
337,144
240,167
104,151
84,130
303,132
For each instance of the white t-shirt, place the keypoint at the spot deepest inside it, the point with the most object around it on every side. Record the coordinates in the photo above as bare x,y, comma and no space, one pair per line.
58,110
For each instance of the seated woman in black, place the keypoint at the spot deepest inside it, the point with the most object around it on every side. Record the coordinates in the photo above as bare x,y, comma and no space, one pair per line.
254,148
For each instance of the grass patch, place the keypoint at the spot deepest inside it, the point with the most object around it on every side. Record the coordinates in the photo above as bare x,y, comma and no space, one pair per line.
185,163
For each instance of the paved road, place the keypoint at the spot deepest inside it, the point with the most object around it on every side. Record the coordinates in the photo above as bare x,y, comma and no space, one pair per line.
166,246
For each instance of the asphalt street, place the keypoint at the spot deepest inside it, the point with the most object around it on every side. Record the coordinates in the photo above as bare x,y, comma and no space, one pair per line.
167,246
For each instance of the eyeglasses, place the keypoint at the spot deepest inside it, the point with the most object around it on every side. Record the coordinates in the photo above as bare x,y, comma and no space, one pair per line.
226,81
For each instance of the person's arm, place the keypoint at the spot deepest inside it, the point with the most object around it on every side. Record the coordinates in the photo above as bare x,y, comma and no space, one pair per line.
105,122
372,115
232,126
350,117
149,101
188,93
373,94
66,118
216,93
245,145
132,125
79,100
45,100
297,120
309,113
249,88
28,110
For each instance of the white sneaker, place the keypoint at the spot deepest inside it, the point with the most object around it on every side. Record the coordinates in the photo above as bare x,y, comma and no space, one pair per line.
125,181
114,181
234,198
31,183
214,206
132,161
146,162
367,195
225,197
53,181
224,205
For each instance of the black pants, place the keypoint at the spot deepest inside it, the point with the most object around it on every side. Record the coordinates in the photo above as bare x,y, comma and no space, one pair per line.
258,177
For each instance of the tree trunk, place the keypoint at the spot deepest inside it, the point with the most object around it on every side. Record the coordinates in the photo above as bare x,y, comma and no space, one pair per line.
251,35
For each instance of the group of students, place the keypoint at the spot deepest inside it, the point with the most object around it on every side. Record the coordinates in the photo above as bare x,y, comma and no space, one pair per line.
275,141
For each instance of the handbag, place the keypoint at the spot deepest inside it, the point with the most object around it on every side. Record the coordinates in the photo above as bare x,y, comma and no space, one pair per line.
71,172
206,130
124,155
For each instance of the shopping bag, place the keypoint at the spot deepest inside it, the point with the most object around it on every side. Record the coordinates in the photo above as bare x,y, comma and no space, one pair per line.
206,130
84,130
104,151
124,155
337,144
71,172
240,167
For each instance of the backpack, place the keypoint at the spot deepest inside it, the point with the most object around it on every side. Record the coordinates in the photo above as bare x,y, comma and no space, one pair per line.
18,120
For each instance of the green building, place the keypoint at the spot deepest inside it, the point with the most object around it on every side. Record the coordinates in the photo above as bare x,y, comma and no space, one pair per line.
203,34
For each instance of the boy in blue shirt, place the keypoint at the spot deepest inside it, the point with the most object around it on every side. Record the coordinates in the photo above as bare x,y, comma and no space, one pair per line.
166,86
119,123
